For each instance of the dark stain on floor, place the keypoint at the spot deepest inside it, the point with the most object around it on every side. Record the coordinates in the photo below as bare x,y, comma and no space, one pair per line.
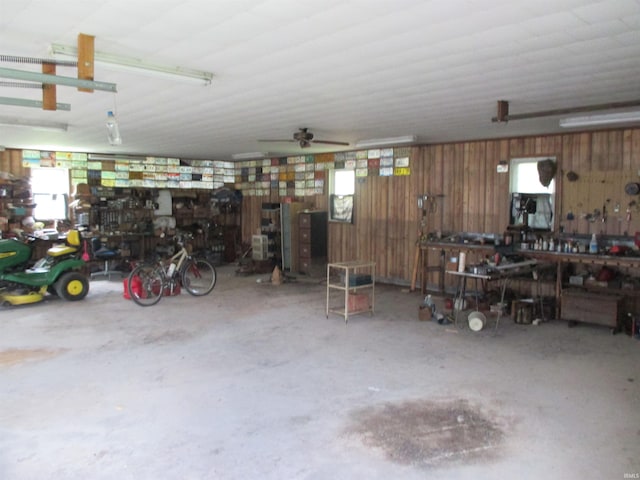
429,433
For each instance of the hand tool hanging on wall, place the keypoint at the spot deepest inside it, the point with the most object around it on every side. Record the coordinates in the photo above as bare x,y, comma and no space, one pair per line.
427,204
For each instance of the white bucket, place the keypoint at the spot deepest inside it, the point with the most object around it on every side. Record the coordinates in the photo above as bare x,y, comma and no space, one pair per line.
460,304
477,321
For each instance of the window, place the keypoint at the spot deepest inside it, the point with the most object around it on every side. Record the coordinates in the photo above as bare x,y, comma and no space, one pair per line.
50,189
532,203
342,186
525,178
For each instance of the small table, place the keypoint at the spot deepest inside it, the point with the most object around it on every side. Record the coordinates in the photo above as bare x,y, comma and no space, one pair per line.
502,273
354,276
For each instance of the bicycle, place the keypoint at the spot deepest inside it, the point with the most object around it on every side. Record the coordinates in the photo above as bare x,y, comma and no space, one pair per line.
149,282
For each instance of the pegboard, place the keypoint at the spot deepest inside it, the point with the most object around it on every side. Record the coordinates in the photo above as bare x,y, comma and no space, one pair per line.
595,192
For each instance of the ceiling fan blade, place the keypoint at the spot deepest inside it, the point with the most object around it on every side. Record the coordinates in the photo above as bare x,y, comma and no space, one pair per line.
275,140
329,142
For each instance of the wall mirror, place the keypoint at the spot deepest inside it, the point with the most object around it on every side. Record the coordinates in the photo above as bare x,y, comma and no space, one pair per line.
532,188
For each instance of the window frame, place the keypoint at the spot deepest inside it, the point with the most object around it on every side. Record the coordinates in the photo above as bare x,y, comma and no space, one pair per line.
341,200
53,191
533,189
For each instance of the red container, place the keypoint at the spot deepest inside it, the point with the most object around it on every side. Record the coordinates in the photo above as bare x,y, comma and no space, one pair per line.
448,303
135,286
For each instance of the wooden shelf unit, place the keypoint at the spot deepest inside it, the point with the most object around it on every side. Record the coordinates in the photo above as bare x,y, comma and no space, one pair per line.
353,277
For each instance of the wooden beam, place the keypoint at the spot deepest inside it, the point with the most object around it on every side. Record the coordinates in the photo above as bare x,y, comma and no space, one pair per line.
562,111
86,52
503,110
49,101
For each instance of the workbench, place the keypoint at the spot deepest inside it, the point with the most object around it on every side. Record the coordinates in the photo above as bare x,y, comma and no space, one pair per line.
557,260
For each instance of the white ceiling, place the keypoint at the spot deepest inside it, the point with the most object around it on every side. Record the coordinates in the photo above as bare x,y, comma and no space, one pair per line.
347,69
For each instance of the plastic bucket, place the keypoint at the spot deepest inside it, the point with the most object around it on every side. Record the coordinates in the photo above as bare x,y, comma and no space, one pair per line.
477,321
135,287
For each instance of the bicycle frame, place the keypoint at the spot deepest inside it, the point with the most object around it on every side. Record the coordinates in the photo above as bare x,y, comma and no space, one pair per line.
180,256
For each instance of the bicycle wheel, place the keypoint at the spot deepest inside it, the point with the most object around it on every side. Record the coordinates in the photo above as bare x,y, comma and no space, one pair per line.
198,277
146,283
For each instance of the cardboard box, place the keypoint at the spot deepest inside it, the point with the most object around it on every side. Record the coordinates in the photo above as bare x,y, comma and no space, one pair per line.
358,302
424,313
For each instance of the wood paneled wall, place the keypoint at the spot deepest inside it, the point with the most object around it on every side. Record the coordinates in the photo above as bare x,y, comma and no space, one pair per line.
11,162
475,198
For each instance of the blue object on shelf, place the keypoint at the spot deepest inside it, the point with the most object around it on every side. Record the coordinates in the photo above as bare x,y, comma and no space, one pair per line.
359,279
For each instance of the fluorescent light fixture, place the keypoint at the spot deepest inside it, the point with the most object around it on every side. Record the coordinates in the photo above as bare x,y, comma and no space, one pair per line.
23,102
56,80
100,157
33,124
381,142
249,155
604,119
136,63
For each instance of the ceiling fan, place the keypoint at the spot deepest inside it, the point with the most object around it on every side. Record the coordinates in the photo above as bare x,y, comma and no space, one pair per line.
305,139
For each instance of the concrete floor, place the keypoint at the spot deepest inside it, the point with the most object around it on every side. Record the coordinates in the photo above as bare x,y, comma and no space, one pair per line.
253,382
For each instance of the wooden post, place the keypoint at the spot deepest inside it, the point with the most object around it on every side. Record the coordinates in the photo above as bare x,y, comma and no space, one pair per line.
49,97
85,59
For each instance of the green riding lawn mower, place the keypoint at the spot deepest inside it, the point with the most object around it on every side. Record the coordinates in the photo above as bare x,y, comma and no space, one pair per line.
59,272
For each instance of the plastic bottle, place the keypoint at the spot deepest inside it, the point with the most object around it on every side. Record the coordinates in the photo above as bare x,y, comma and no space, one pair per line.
171,269
428,301
593,244
113,132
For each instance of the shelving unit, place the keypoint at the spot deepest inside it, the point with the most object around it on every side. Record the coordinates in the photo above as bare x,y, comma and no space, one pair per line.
15,203
271,228
342,293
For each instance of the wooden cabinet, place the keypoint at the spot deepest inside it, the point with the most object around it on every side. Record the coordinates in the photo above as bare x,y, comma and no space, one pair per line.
291,234
589,307
312,237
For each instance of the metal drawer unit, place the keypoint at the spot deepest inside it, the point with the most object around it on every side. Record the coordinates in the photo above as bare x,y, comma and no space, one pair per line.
312,237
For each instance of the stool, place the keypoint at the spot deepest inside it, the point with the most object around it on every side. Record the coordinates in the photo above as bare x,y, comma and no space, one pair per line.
103,254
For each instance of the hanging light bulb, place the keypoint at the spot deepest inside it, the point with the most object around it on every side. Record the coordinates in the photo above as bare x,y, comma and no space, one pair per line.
113,131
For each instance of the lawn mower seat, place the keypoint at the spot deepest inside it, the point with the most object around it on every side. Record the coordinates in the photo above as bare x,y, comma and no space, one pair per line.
71,245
